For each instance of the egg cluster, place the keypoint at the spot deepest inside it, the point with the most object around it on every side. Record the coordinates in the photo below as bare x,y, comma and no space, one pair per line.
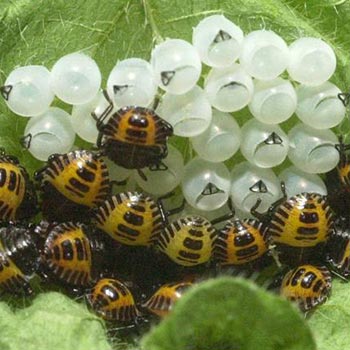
93,234
257,70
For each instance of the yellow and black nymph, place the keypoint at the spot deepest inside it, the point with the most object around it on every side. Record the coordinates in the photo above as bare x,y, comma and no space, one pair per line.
72,184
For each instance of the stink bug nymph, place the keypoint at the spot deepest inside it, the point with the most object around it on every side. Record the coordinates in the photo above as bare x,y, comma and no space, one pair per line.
19,258
72,184
17,194
338,183
307,285
164,299
112,300
189,240
299,226
338,248
132,218
72,255
241,242
133,137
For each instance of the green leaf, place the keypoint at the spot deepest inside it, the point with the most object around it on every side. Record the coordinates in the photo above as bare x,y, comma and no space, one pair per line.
53,321
41,31
330,322
229,313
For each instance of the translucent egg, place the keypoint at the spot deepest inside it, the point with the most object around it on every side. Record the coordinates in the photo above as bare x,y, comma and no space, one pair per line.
220,141
177,66
132,83
249,183
264,145
297,181
27,91
206,185
312,150
264,54
49,133
118,173
209,215
319,106
217,40
229,89
274,101
82,121
75,78
189,114
166,179
312,61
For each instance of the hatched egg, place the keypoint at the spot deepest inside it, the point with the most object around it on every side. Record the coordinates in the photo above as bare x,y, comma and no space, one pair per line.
117,173
265,54
217,40
220,141
49,133
312,61
82,121
206,185
319,106
132,83
264,145
177,66
75,78
297,181
249,183
229,89
273,101
167,177
313,150
27,90
189,114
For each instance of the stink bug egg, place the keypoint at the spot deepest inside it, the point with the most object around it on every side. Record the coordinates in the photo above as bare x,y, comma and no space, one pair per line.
132,83
297,181
82,120
274,101
229,89
220,141
27,90
75,78
177,66
217,40
206,185
312,150
249,183
49,133
264,54
319,106
118,174
190,114
312,61
165,179
264,145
